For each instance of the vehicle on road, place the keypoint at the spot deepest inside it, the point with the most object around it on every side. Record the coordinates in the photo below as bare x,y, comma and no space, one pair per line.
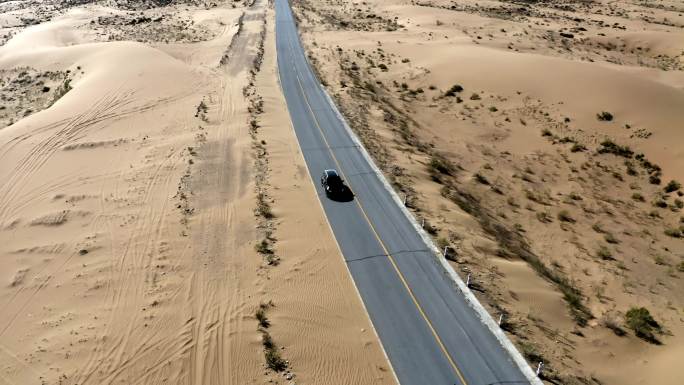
332,183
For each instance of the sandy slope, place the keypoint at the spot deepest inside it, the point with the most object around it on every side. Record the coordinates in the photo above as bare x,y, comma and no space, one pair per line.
390,65
127,225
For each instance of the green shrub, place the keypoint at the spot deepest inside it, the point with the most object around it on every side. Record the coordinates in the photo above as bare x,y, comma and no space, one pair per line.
441,165
604,253
638,197
544,217
610,147
453,90
673,232
610,238
604,116
578,147
274,361
672,186
640,320
564,216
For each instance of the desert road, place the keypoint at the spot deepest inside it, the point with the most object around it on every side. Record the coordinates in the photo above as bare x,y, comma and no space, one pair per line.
429,331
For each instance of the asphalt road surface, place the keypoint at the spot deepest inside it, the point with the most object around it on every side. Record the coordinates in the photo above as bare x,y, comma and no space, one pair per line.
430,333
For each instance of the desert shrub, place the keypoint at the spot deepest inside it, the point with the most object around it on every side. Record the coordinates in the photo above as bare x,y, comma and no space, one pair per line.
441,165
61,91
261,316
660,203
540,197
660,260
530,352
383,67
673,232
263,247
610,147
680,266
274,361
578,147
481,179
604,253
604,116
546,132
598,228
672,186
453,90
564,216
442,242
679,203
639,319
630,169
544,217
638,197
574,196
654,179
610,238
475,96
493,109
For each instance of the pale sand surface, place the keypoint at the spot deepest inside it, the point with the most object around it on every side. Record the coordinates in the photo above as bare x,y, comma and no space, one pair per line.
127,209
499,204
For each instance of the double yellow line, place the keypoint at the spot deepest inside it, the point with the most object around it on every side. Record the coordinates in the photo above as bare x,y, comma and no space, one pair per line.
382,244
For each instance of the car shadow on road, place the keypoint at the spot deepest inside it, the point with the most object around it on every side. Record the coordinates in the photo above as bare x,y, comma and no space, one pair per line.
346,195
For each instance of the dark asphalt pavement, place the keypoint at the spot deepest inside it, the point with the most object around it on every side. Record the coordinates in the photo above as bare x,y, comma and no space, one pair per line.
430,332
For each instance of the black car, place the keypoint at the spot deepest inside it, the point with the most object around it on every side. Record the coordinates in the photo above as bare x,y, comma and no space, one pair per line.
332,183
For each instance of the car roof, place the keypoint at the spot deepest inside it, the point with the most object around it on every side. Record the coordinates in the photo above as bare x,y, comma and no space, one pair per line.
330,173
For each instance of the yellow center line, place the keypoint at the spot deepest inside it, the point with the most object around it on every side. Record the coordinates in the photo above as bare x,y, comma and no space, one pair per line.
382,244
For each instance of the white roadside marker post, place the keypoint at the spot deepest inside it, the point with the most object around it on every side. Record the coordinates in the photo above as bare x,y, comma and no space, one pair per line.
405,197
422,224
539,368
468,280
501,319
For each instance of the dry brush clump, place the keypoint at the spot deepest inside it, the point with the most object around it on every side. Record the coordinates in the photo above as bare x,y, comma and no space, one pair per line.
264,209
274,360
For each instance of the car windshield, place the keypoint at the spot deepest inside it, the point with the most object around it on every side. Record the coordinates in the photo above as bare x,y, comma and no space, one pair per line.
334,179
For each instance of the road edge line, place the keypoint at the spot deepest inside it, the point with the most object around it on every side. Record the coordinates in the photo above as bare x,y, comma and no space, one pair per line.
470,298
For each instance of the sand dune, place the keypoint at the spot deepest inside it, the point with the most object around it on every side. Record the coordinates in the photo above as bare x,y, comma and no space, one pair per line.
127,214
